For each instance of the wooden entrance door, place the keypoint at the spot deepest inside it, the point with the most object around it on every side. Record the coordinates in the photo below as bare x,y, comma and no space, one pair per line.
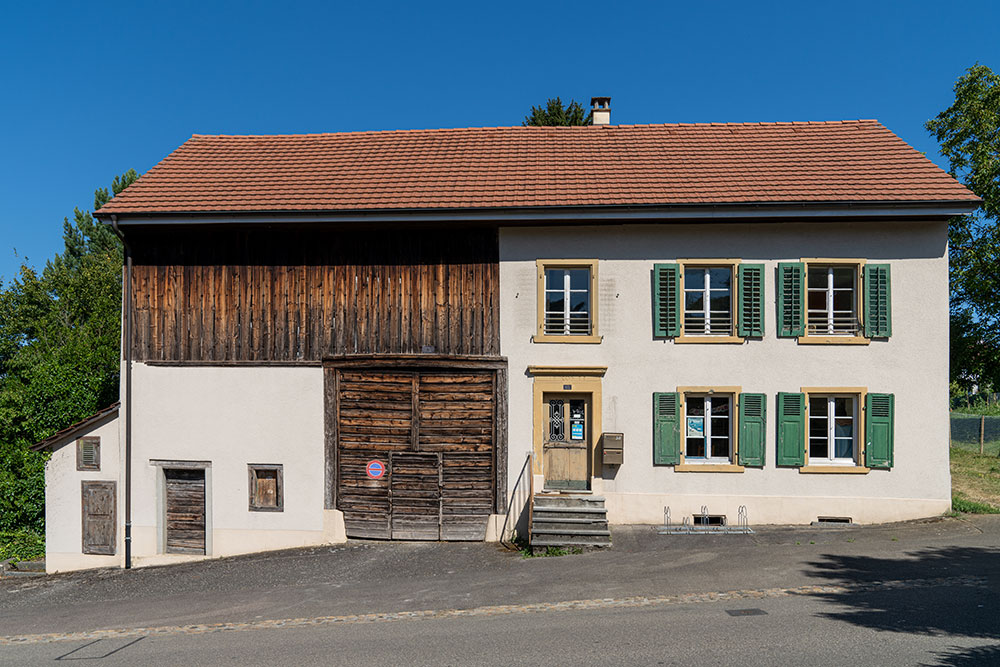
99,518
433,431
185,496
566,441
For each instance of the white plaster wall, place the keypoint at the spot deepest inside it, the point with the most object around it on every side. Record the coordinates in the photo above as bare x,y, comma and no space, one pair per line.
913,364
231,417
63,501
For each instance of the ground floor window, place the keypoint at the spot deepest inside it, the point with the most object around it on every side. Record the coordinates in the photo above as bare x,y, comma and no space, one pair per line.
266,488
833,428
708,432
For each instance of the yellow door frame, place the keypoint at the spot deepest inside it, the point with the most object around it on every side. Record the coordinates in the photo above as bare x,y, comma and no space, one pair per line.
566,379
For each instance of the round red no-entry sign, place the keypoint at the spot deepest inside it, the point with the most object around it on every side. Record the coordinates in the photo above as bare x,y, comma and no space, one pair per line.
375,469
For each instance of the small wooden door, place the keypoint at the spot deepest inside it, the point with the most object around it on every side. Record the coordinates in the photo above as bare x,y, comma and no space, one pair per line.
99,518
185,510
566,441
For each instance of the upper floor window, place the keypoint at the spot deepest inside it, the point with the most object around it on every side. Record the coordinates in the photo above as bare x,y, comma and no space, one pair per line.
567,308
708,301
832,303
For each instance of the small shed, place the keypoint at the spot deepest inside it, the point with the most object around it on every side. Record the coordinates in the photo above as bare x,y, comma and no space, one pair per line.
83,495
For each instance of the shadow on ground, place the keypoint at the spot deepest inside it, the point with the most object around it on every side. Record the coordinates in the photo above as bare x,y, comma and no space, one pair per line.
944,592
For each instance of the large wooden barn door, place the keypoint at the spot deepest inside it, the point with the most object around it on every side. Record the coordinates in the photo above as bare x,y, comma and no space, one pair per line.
434,433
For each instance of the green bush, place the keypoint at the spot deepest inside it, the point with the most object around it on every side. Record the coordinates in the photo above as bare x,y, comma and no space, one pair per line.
21,545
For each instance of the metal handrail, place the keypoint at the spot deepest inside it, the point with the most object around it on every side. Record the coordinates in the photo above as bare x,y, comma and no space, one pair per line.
513,494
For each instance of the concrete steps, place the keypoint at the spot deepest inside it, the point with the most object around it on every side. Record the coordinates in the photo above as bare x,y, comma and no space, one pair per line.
567,520
32,568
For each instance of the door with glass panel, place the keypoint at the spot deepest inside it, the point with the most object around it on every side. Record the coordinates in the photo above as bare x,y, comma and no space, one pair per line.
566,441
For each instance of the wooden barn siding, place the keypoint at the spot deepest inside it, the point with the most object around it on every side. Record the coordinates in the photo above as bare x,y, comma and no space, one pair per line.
301,294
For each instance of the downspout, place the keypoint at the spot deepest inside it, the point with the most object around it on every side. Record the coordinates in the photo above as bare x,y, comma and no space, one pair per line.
127,298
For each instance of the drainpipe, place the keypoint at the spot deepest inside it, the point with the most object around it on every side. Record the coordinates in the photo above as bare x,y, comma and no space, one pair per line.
127,298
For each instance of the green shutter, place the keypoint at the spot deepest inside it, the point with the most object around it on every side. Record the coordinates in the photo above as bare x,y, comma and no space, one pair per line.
666,428
791,299
878,301
751,301
753,424
879,417
666,300
791,429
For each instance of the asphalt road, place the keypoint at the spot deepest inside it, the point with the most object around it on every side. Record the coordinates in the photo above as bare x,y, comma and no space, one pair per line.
907,594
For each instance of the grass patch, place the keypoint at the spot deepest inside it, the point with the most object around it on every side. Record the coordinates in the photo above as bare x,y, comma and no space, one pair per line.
21,545
975,482
960,505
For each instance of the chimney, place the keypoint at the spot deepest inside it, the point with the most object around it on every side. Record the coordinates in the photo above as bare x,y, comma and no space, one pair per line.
600,107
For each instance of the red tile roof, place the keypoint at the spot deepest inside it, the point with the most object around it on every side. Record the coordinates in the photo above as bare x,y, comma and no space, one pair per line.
491,167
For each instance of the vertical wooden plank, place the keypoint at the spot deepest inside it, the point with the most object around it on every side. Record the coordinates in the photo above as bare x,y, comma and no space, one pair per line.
240,303
281,297
331,393
440,306
479,316
176,312
351,308
197,295
415,413
405,303
500,440
228,328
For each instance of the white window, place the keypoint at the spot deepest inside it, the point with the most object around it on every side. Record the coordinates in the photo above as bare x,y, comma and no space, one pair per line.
708,428
832,301
708,301
832,430
568,302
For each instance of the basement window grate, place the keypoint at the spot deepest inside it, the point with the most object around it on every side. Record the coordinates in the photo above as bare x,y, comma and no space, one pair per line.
834,519
709,520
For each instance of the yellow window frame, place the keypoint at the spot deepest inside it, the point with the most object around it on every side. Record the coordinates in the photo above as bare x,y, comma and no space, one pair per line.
858,265
733,265
540,335
858,468
733,466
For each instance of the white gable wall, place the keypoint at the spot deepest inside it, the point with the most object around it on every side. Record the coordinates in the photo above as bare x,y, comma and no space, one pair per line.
912,364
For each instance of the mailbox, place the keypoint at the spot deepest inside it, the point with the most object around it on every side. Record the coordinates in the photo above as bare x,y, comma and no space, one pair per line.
611,448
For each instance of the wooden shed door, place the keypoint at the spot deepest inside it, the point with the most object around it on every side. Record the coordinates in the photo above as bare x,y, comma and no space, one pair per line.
185,498
99,518
434,434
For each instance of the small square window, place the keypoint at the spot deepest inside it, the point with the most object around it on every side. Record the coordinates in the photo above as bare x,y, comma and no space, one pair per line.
266,488
88,453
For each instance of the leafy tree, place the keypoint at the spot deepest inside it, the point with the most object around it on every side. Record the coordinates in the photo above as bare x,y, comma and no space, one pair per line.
554,113
59,353
969,134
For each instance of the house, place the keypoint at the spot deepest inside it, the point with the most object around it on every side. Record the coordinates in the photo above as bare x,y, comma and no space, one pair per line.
367,334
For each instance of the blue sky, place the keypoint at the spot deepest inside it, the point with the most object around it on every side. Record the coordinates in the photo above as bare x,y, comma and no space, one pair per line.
92,89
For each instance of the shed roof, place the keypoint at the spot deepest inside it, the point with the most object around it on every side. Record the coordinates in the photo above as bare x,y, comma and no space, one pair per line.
515,167
72,431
